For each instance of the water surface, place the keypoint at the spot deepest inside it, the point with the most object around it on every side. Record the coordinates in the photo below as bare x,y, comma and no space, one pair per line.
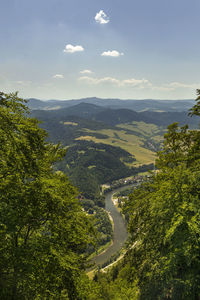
120,233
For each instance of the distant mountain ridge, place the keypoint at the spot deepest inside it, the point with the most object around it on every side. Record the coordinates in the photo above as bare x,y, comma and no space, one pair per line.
136,105
114,117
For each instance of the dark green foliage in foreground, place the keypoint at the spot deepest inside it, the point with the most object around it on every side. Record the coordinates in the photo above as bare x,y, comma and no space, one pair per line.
195,110
164,218
43,229
163,261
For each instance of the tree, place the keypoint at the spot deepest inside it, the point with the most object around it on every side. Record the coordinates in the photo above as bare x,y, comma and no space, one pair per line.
43,229
195,110
164,218
164,221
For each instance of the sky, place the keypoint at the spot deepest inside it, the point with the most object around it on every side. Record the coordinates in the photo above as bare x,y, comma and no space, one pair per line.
71,49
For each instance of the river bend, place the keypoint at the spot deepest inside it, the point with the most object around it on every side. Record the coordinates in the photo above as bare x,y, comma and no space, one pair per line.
120,232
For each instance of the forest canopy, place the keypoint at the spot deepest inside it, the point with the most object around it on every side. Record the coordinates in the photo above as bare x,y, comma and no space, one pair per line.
163,260
43,230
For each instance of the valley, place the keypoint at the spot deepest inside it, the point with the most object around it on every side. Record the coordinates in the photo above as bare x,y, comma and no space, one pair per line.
106,142
99,150
56,199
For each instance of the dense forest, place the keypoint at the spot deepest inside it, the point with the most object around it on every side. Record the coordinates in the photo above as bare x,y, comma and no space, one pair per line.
43,229
163,260
45,233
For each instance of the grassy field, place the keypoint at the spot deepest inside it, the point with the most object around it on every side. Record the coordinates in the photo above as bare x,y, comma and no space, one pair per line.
131,138
142,128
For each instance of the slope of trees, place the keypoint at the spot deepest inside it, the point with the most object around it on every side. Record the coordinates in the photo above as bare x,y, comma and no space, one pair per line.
45,233
163,261
43,229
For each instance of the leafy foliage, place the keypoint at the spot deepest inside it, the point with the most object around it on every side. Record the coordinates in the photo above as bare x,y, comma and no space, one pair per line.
164,221
195,110
165,232
43,230
163,260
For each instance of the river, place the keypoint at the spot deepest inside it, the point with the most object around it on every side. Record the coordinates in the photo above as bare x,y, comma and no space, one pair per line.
120,233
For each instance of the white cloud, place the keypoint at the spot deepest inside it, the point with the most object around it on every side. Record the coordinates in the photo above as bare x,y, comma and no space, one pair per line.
72,49
96,81
112,53
101,17
109,80
172,86
138,83
86,72
143,83
59,76
183,85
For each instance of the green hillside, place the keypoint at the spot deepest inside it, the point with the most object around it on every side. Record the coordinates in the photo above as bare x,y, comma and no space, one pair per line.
139,134
84,125
138,138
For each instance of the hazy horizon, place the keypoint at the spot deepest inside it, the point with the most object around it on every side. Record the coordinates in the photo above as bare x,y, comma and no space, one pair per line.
145,99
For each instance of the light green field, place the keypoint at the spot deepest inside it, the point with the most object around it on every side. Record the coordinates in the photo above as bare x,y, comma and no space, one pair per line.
128,140
148,130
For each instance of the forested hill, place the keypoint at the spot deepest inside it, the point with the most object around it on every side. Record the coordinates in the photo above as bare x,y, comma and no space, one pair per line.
137,105
82,126
115,116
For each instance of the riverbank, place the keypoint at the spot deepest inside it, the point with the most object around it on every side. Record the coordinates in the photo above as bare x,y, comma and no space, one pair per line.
119,233
119,237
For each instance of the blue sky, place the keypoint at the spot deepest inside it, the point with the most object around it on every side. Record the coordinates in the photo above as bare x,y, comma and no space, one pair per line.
64,49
